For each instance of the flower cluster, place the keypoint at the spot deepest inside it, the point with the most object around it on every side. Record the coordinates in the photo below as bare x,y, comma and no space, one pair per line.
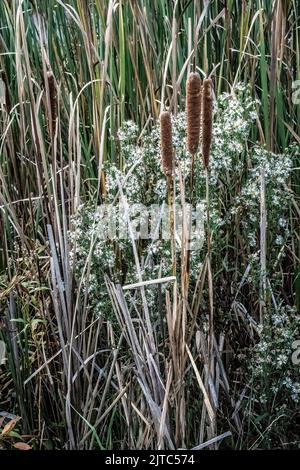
273,372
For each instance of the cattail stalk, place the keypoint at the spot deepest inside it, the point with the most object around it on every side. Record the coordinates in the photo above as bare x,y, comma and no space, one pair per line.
207,114
53,101
193,115
207,109
263,251
166,143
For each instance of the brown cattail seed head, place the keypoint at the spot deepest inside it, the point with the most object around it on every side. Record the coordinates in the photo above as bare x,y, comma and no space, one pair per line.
166,142
193,109
53,99
207,110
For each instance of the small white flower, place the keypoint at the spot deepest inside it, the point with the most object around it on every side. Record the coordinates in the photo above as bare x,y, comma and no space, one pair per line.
282,222
279,240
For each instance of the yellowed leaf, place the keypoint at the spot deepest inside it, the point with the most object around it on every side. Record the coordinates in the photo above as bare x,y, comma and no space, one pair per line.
22,446
8,427
2,353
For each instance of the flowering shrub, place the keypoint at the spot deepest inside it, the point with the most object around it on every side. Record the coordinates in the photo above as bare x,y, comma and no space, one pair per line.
272,369
274,382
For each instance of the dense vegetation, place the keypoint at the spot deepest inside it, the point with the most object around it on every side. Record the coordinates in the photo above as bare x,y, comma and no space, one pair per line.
89,359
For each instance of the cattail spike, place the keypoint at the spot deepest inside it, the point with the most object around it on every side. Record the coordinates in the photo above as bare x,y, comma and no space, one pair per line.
166,142
53,100
207,111
193,109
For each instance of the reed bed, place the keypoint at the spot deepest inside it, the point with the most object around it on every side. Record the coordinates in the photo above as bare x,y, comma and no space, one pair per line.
93,353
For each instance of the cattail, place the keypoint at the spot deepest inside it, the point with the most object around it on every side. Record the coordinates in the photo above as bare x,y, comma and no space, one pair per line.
193,109
166,142
207,109
53,99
